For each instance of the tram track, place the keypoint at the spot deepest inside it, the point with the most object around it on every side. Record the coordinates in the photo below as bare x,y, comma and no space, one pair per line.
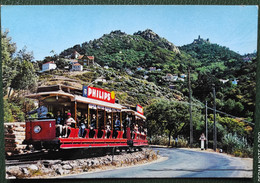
68,154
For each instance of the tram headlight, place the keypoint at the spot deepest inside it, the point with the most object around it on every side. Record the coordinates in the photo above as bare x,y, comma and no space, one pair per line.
37,129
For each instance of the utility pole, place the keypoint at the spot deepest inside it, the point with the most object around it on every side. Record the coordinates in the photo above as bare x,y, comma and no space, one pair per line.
190,110
214,128
206,126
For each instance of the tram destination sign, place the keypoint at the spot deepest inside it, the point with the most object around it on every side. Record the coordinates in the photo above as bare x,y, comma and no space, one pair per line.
139,109
98,94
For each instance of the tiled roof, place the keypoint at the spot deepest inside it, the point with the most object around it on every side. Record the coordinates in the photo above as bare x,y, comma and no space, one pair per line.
91,57
52,62
76,64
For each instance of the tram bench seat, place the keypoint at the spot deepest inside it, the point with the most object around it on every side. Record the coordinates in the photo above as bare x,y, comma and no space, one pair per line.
120,134
74,132
87,133
96,133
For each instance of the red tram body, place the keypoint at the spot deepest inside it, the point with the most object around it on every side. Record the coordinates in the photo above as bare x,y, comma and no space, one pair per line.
41,133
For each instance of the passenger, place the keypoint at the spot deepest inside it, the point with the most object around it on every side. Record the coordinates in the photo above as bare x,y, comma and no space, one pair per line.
42,111
117,127
70,122
82,125
108,127
126,124
92,126
59,124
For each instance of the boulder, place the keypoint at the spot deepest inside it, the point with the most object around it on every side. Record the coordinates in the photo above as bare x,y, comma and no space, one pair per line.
33,168
14,171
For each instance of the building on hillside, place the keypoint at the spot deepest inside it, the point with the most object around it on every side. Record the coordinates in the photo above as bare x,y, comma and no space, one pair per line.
234,82
152,68
223,80
73,61
181,79
146,77
86,60
139,68
172,87
77,67
183,75
75,55
170,77
101,79
200,40
48,66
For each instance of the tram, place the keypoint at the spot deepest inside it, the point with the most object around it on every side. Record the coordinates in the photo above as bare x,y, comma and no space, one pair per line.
115,125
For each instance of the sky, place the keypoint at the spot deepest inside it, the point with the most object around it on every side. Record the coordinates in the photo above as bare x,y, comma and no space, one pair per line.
44,28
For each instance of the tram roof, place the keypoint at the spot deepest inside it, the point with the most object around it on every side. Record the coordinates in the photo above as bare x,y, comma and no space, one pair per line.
73,94
98,102
134,113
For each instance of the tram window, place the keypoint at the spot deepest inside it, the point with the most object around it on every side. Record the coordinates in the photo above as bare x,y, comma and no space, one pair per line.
101,119
108,119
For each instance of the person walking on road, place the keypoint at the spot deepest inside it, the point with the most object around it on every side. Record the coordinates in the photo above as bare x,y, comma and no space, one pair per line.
202,139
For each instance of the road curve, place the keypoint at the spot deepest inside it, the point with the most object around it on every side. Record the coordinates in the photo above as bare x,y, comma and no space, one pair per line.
180,163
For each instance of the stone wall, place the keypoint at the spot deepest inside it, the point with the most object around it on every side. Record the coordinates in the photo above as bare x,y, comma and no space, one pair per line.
14,136
55,168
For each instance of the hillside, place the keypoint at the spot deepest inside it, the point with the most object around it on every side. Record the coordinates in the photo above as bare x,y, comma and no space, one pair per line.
129,90
214,59
210,63
146,49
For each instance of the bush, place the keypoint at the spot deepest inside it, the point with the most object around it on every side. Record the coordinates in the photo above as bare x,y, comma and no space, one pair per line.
158,140
182,142
233,144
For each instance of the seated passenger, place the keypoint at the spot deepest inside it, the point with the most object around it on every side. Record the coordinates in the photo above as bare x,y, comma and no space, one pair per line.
82,125
108,127
92,126
70,122
59,124
117,127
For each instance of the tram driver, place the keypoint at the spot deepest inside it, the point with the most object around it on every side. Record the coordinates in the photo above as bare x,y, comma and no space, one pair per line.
42,111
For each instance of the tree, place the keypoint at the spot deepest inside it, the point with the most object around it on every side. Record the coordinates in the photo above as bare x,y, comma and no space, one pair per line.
166,115
62,63
26,77
9,64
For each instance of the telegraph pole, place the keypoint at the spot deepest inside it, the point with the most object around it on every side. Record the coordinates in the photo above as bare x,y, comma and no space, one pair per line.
214,128
190,110
206,126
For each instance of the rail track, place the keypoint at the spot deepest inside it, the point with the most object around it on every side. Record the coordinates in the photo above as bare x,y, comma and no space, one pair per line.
68,154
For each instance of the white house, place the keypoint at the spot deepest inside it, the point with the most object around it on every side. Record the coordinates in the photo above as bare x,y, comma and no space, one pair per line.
77,67
48,66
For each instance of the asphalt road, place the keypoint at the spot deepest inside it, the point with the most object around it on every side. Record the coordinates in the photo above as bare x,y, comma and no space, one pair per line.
179,163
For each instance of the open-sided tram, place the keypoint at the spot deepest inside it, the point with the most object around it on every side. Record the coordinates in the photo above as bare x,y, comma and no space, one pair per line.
114,125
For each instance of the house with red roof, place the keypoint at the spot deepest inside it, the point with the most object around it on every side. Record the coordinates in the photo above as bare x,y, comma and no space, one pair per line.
48,66
77,67
86,60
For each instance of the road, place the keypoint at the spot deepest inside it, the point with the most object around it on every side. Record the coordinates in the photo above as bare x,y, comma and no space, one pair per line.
180,163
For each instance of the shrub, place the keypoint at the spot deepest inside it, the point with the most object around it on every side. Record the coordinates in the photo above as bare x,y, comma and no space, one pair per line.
182,142
238,146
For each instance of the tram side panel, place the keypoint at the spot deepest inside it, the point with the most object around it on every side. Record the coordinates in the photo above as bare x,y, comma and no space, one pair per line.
40,131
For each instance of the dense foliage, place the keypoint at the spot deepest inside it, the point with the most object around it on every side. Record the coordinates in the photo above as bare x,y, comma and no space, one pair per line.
18,74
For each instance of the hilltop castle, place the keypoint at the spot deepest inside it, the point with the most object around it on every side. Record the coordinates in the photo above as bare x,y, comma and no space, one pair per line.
200,40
